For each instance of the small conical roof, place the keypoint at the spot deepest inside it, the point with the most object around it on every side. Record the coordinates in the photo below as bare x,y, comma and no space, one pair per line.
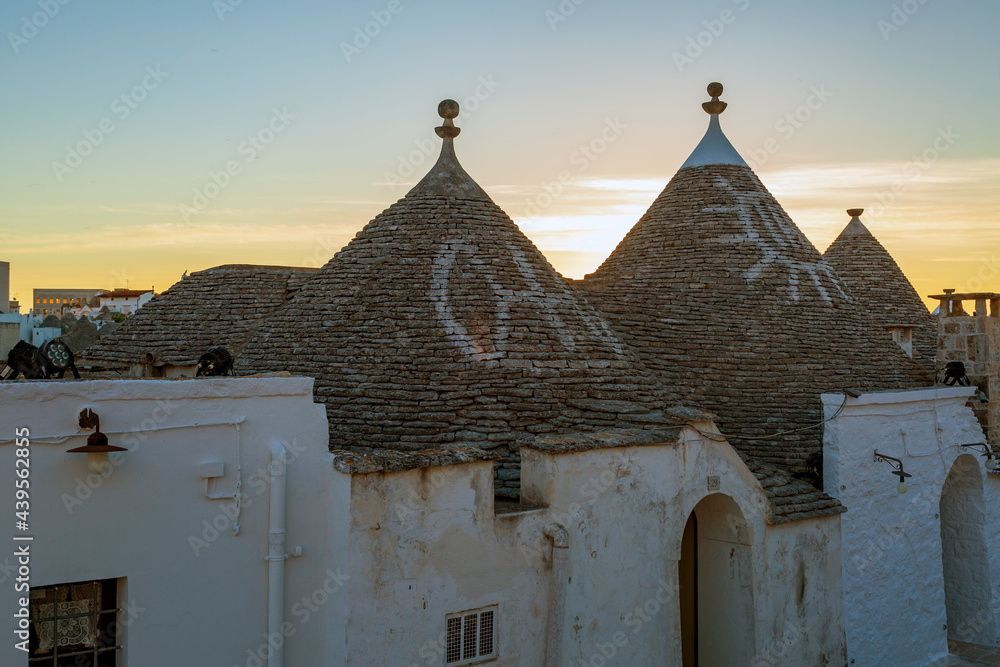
442,324
739,313
876,282
879,286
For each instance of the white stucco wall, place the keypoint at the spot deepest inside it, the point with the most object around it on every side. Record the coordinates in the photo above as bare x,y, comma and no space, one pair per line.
894,596
798,596
627,509
24,327
991,496
426,543
386,556
197,592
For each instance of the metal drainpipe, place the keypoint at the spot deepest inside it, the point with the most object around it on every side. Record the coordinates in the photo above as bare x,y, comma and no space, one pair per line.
276,554
557,606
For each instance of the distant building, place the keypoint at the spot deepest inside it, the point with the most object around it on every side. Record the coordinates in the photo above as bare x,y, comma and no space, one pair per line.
13,306
5,301
125,300
54,301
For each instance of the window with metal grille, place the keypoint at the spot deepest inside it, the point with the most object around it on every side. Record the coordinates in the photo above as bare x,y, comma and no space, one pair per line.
470,637
76,624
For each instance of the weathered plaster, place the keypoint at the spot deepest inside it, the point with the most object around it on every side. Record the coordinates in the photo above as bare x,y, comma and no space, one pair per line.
426,543
893,578
626,509
408,546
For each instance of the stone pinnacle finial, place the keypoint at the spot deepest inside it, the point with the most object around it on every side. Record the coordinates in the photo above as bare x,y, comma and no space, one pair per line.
716,106
448,109
855,212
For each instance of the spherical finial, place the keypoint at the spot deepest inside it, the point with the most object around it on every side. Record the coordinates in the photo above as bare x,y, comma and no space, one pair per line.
448,109
716,106
855,212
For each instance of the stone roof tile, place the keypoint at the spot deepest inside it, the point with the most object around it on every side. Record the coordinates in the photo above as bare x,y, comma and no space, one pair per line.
442,325
222,305
728,301
880,288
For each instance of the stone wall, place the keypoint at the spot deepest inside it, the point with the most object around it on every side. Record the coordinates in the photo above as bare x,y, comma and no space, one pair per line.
433,541
629,508
974,339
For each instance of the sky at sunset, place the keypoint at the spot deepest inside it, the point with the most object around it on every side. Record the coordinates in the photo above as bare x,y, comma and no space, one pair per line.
141,140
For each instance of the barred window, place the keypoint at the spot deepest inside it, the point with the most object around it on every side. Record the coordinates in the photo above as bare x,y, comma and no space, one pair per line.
76,624
471,636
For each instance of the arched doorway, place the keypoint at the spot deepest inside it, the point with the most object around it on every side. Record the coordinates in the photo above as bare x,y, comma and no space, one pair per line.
965,558
716,586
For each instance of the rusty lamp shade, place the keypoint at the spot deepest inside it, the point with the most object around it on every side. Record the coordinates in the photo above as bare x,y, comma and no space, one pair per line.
97,442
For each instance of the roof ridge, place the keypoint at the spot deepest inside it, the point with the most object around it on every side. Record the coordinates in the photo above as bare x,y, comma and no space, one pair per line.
254,267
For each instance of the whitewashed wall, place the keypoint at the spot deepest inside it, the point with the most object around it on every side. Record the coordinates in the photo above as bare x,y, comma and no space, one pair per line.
800,619
387,555
198,593
991,495
625,546
894,597
426,542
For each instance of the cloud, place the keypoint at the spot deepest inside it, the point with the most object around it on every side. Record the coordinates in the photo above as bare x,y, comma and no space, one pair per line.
959,194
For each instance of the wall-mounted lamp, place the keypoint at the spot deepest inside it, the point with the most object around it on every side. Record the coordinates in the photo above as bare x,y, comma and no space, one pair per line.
97,446
992,466
897,469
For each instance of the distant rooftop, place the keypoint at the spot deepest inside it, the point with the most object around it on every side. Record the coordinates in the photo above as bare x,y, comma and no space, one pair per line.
879,288
123,293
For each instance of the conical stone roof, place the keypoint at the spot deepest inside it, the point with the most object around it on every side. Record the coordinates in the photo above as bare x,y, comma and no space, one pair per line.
879,286
222,305
441,324
730,303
